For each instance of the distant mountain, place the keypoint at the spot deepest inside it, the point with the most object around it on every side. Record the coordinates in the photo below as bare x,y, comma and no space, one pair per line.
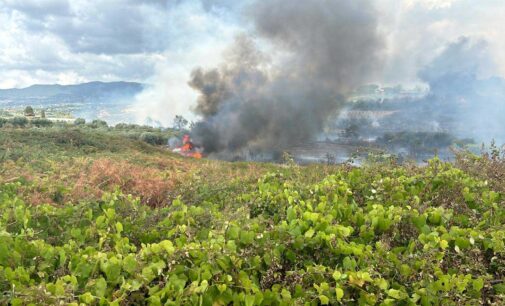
93,92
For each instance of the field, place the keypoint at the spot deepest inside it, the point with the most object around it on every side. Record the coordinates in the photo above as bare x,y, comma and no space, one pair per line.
105,216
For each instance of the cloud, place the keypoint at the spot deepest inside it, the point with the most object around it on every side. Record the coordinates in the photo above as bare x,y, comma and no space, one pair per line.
131,39
107,40
430,4
418,30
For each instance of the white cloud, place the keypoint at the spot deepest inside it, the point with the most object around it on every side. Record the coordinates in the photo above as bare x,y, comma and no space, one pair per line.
430,4
47,41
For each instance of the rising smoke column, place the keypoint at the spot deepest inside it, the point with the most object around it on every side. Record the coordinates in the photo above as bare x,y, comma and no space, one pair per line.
318,50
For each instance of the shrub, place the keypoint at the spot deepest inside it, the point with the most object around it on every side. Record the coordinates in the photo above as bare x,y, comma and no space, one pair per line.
19,121
79,121
152,138
41,122
98,124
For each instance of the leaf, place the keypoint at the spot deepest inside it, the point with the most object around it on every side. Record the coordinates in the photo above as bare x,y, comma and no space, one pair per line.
337,275
100,287
396,294
286,295
148,274
291,214
130,263
478,284
463,243
249,300
246,237
87,298
324,300
339,293
112,270
309,233
444,244
354,280
168,246
119,227
233,232
382,283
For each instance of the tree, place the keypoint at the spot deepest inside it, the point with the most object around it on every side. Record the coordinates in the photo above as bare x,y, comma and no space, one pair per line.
79,121
29,111
97,123
43,114
152,138
180,123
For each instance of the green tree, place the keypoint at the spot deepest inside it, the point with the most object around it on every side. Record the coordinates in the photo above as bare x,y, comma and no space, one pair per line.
79,121
29,111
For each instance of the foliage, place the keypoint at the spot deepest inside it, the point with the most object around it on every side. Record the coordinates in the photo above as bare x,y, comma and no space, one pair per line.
41,122
91,216
29,111
373,235
18,121
152,138
80,121
95,124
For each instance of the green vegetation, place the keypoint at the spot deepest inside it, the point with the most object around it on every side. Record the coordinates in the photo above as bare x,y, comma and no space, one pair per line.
29,111
93,215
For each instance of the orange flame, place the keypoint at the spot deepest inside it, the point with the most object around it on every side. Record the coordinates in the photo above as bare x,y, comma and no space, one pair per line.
188,148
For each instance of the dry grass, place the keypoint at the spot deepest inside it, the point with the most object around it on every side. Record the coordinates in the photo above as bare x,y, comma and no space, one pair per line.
153,187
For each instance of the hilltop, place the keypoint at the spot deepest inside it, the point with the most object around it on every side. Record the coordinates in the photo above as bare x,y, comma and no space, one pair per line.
45,94
102,215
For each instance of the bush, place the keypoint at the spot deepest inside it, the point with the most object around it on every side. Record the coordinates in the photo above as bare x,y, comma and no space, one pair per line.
79,121
431,235
41,122
152,138
3,121
19,121
95,124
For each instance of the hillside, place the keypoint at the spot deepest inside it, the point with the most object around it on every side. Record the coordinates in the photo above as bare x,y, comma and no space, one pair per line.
107,101
41,94
96,215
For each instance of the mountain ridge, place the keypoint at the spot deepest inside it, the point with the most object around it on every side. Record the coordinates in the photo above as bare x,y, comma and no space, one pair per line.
88,89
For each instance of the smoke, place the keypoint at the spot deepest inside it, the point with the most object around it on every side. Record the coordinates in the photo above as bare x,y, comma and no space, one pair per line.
463,97
279,83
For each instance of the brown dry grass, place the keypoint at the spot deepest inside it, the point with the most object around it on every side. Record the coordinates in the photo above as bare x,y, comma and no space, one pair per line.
153,186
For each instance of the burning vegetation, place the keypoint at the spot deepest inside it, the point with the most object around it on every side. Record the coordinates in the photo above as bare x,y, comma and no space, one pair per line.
188,148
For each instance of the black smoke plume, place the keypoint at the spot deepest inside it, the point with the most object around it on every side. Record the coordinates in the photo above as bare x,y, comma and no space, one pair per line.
279,83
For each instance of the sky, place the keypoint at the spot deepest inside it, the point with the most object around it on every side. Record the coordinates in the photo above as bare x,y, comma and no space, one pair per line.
72,41
159,42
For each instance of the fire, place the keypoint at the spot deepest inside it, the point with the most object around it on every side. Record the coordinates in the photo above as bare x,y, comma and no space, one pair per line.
188,149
